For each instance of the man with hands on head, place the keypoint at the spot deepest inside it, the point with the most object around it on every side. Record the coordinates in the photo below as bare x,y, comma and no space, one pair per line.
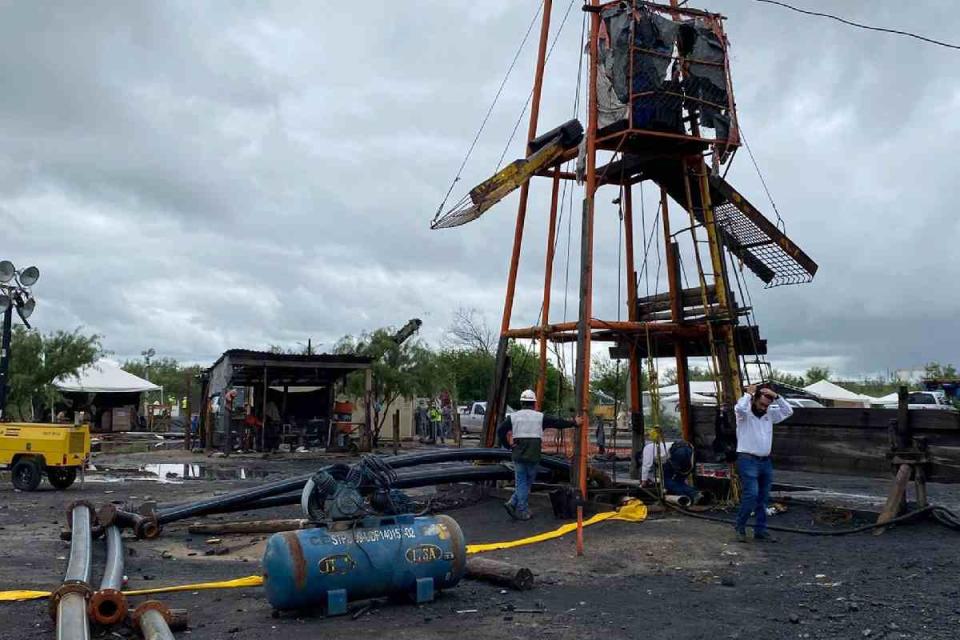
757,411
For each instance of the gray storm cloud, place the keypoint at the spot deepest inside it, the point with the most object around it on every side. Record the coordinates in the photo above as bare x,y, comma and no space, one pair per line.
195,177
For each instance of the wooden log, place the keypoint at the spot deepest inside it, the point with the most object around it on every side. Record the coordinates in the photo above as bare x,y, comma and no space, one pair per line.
500,573
894,500
250,526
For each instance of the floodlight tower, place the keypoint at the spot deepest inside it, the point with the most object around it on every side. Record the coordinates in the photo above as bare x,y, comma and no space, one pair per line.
15,293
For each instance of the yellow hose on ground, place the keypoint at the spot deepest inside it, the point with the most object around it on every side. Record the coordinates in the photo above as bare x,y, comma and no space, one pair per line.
632,511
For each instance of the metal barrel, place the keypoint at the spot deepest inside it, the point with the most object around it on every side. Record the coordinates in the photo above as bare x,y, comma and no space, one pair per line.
108,605
153,619
395,556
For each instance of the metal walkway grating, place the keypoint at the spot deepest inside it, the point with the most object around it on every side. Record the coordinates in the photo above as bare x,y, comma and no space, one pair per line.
763,247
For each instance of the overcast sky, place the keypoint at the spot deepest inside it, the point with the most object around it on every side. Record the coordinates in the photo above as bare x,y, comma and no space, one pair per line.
194,177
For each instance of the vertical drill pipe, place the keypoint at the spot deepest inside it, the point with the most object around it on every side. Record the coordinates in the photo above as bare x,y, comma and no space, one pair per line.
547,284
69,602
108,605
586,281
636,393
152,618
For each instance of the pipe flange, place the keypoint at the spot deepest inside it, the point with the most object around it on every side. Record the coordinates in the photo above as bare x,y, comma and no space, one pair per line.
107,606
150,605
107,514
147,528
67,587
94,520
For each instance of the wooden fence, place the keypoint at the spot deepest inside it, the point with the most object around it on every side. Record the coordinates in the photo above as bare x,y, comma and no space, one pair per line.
847,441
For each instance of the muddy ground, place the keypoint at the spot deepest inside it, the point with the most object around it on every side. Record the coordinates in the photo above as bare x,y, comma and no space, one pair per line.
668,577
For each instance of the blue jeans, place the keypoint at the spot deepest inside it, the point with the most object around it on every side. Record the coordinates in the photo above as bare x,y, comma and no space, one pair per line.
524,473
677,485
756,478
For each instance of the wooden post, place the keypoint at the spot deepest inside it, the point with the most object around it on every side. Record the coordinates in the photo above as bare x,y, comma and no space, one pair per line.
366,442
457,429
263,413
896,497
396,432
903,418
188,426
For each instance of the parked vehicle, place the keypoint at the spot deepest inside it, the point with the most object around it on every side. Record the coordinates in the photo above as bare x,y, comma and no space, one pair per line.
471,416
31,451
804,403
924,400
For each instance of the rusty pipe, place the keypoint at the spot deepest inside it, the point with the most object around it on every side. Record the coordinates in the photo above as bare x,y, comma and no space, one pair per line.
144,527
153,619
68,604
108,605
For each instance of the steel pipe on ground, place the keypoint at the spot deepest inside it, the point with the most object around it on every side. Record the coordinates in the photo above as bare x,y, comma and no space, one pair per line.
153,619
108,605
270,495
69,602
408,480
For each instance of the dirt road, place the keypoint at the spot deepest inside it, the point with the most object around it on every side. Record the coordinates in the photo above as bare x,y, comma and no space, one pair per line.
669,577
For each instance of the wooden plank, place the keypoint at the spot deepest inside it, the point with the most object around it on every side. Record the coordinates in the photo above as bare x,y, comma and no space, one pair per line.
847,441
895,499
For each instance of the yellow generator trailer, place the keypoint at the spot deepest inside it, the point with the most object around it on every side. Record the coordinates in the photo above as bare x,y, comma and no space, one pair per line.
31,450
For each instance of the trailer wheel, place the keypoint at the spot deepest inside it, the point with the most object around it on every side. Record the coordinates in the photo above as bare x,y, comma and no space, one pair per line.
26,475
61,477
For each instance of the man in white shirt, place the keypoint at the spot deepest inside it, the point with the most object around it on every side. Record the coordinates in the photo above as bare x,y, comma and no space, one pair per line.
757,411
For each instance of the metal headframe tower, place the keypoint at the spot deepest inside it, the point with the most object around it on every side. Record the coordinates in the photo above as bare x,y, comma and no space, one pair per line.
660,108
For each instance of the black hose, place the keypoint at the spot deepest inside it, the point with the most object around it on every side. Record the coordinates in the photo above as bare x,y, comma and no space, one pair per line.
251,498
941,514
813,532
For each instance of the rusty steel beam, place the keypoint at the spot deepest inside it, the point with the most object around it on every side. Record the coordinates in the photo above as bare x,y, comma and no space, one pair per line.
547,284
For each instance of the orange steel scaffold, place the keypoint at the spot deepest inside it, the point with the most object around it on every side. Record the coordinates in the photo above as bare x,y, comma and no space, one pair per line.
701,321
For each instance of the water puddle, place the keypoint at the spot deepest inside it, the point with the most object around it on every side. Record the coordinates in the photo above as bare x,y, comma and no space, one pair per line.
171,473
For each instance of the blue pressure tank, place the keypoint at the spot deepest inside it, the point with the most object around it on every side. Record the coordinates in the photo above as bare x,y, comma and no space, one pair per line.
384,556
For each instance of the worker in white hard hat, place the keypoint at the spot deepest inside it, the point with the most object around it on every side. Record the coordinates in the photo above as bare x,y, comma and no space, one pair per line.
522,431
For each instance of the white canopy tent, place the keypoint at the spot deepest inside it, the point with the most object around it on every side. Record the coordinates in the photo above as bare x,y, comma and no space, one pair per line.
104,376
839,396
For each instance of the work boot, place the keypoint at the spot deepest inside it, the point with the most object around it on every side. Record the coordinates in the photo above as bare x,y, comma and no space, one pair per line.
511,510
525,515
742,536
763,536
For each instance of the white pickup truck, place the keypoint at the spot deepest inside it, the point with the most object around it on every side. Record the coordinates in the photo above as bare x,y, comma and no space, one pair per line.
924,400
471,416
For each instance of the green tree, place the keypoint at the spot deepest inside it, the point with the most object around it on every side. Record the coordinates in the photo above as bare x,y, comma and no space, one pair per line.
175,378
937,371
816,374
36,360
787,378
405,369
702,374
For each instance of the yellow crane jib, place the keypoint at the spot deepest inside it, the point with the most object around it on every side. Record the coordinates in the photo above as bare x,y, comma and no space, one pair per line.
545,150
